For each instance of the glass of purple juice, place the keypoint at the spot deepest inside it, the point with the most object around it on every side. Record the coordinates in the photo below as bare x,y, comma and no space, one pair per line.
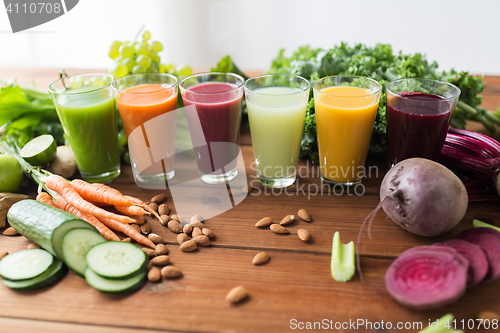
419,112
215,125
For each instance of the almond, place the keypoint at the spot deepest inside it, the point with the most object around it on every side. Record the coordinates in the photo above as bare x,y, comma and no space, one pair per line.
304,215
287,219
163,209
127,240
303,235
202,240
266,221
197,217
154,206
196,232
32,246
260,258
197,224
155,238
236,294
188,246
247,189
160,260
3,254
278,229
10,232
164,219
187,229
139,219
136,227
154,274
149,252
207,232
161,249
158,198
174,226
175,217
181,238
170,272
145,228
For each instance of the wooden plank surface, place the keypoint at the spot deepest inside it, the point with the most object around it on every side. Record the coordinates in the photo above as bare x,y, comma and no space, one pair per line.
295,285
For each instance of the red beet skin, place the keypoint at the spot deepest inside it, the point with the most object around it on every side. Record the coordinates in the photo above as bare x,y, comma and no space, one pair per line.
489,241
478,263
427,277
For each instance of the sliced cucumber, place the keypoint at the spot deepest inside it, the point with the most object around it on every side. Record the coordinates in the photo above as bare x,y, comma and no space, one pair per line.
25,264
116,286
75,244
51,275
116,260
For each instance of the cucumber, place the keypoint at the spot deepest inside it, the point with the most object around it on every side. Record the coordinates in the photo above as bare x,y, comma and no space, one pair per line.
75,244
25,264
51,275
116,286
116,260
43,224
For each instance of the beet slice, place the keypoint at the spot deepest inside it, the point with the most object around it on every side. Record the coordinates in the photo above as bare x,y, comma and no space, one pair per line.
489,241
427,277
478,263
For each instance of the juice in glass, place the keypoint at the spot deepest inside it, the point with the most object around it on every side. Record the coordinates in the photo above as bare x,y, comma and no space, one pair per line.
276,111
89,119
345,110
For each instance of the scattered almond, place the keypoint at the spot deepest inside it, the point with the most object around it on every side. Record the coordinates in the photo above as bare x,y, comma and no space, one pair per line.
163,209
155,238
158,198
201,240
260,258
160,260
174,226
3,254
197,217
197,224
247,189
236,294
207,232
175,217
154,274
278,229
303,235
10,232
149,252
488,315
266,221
154,206
287,219
136,227
187,229
196,232
170,272
181,238
304,215
164,219
145,228
161,249
32,246
188,246
139,219
127,240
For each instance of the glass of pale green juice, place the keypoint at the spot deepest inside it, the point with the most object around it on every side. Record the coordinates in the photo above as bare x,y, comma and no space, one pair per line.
86,108
276,105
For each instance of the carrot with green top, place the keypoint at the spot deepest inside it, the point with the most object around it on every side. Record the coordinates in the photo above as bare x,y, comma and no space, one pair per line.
127,230
100,193
68,192
140,203
131,210
45,198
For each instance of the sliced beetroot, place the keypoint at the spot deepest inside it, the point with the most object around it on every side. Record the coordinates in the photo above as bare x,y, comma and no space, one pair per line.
427,277
489,241
478,263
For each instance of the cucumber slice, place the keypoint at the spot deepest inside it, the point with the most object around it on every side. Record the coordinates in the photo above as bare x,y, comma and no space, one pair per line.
116,286
116,260
75,244
51,275
25,264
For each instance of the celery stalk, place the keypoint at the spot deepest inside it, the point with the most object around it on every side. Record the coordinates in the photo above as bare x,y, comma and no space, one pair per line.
343,257
481,224
444,324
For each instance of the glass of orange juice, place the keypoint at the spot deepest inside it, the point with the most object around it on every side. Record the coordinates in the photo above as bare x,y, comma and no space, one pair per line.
345,108
146,103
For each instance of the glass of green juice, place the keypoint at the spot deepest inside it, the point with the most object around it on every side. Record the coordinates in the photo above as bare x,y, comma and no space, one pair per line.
276,105
86,108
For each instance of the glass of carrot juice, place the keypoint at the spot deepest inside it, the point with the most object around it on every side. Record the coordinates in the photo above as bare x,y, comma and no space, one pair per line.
146,103
345,108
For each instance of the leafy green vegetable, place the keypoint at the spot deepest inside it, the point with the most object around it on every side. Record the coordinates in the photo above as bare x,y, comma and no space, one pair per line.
343,255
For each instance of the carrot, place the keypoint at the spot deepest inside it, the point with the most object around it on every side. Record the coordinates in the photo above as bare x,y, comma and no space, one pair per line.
127,230
100,193
46,198
139,202
131,210
66,190
61,203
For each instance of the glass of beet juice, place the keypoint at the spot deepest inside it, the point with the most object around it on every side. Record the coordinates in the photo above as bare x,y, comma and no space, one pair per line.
215,124
419,112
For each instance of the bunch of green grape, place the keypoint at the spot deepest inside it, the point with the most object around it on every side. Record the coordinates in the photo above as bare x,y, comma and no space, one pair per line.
141,57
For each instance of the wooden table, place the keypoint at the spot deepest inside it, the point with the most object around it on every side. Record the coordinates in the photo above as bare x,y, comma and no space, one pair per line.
294,287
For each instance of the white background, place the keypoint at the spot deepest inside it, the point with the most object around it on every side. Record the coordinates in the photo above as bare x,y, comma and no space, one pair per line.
455,33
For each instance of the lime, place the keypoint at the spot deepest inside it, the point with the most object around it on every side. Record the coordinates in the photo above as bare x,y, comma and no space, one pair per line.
40,151
11,175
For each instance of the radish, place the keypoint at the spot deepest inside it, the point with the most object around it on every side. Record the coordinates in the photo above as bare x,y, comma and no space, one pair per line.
489,240
423,197
427,277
